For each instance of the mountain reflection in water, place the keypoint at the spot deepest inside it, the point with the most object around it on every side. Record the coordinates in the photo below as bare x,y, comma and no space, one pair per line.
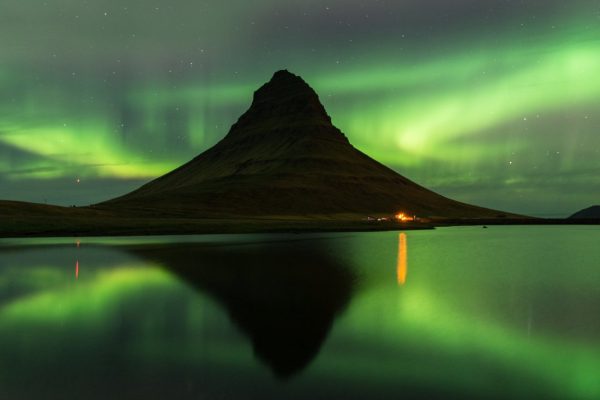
505,313
284,298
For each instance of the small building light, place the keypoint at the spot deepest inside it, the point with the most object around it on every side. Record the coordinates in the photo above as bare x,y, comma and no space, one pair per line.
402,217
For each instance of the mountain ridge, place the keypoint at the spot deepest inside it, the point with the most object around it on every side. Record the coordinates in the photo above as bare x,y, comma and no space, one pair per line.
283,156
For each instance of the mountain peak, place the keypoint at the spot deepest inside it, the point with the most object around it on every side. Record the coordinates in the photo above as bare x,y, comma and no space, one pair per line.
285,80
284,74
285,99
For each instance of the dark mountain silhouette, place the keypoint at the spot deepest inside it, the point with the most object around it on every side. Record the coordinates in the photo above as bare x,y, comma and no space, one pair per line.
285,297
592,212
284,157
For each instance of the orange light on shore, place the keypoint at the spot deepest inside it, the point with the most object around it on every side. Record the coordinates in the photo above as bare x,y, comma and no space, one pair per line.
402,268
402,217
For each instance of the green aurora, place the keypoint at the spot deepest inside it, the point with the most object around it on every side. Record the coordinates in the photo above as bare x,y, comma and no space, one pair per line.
494,104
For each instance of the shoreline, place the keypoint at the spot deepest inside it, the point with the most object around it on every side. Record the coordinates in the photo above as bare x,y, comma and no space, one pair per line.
31,227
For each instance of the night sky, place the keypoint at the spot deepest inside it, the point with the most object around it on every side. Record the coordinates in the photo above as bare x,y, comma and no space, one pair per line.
493,102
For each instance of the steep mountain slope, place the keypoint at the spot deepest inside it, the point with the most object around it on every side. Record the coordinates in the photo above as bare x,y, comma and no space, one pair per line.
284,157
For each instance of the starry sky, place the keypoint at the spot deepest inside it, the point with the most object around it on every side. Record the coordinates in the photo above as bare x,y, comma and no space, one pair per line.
493,102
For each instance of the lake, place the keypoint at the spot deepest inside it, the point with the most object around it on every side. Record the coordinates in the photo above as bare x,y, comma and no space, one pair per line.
504,312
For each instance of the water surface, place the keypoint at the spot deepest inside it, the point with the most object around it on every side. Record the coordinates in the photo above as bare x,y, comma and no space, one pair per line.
504,312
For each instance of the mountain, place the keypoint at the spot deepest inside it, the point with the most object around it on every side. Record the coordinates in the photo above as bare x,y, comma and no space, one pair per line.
592,212
284,157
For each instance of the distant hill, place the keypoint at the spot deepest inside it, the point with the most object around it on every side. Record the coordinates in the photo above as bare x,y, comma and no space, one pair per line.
592,212
284,157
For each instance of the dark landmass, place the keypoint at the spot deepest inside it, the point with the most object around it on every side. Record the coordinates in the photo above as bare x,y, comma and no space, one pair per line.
283,167
592,212
19,219
34,220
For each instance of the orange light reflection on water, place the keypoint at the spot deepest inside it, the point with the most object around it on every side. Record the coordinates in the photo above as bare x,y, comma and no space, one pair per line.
402,267
77,243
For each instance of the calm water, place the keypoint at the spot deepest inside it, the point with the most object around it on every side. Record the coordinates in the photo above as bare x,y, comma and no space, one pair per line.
506,312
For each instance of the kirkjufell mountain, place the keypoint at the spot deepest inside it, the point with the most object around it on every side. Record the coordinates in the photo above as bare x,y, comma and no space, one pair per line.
284,157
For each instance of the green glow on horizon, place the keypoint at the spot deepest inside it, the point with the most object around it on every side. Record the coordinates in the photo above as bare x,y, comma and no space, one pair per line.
106,158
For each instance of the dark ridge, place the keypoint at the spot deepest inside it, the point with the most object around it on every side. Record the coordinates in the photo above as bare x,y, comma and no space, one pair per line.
592,212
